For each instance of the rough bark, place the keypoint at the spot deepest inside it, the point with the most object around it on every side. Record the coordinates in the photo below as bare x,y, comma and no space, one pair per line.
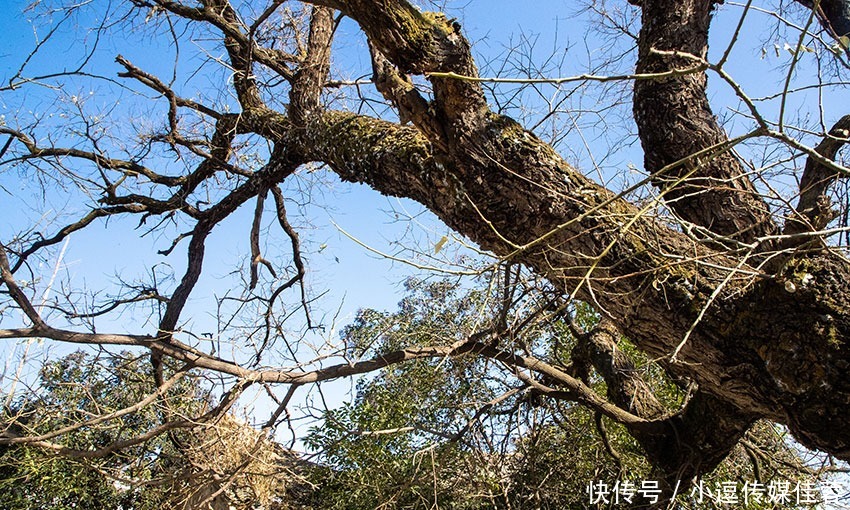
513,195
814,209
758,345
676,127
692,441
834,15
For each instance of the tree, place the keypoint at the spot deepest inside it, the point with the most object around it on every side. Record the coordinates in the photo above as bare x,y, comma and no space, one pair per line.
462,433
735,287
220,461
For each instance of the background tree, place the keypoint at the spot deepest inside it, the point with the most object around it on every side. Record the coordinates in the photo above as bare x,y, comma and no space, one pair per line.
116,458
465,433
709,265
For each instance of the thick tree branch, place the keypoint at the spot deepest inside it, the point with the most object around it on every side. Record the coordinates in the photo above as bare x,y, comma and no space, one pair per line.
240,52
309,79
675,121
698,439
398,89
419,43
625,386
695,440
834,15
814,208
513,195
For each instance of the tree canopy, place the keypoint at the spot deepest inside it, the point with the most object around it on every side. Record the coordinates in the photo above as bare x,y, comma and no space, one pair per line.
698,304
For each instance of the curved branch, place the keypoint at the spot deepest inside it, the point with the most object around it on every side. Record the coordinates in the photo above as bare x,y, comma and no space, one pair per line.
814,209
625,386
420,43
694,441
256,254
675,120
834,15
312,73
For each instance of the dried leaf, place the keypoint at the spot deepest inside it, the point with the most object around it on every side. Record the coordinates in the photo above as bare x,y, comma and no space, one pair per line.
439,246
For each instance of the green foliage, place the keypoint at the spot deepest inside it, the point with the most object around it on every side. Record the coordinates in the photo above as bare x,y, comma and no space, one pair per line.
225,460
461,432
382,446
31,480
455,433
73,390
452,432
